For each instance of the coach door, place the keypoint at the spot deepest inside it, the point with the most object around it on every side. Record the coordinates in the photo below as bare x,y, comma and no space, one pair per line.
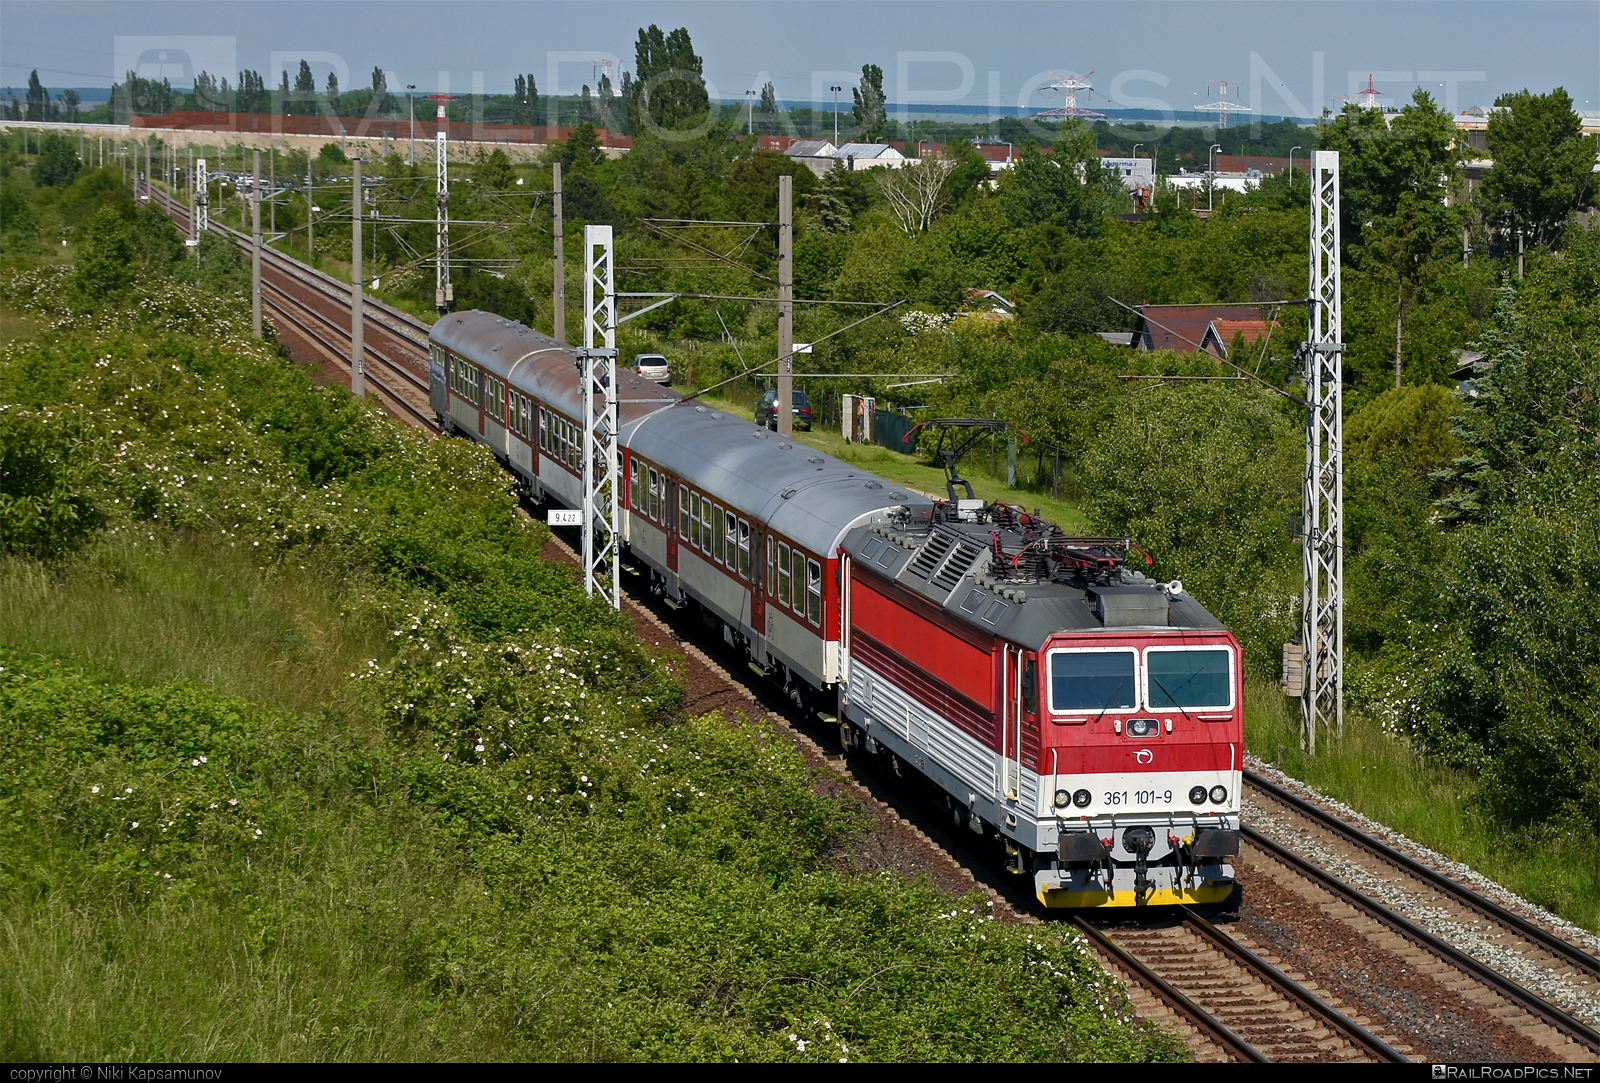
758,588
676,522
438,383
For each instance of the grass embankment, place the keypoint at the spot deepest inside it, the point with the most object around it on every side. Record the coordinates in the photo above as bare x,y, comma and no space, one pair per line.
1385,778
308,756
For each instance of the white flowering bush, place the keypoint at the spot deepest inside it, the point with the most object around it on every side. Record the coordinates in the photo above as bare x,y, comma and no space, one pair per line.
917,322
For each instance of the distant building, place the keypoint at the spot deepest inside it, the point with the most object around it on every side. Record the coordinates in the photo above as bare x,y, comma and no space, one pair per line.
1133,172
1197,328
985,305
867,155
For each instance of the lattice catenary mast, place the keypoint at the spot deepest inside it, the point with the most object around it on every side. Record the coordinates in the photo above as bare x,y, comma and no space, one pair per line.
1223,105
201,218
443,295
1069,85
602,571
1319,681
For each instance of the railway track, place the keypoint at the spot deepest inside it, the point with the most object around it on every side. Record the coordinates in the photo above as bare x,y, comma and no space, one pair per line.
310,302
1502,952
1253,1010
1240,1004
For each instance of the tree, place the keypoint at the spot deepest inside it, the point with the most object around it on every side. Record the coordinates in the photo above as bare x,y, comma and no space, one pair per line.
283,91
586,106
829,203
496,171
69,104
917,193
1065,187
333,94
1543,165
380,90
1380,161
670,86
57,164
1407,248
305,84
868,109
769,98
252,95
38,97
519,102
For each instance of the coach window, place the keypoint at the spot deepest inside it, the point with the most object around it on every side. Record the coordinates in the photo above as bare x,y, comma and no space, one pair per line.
814,592
783,572
655,496
730,537
683,511
716,518
772,567
694,520
744,549
706,511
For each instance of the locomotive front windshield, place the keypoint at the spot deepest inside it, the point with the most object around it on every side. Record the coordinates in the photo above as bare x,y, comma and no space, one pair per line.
1092,681
1188,678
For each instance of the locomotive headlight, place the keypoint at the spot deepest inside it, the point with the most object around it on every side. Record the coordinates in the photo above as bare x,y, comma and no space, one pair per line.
1197,795
1082,798
1219,794
1062,799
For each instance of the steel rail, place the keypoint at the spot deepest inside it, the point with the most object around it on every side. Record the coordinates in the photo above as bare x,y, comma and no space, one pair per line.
1168,992
326,284
1295,991
1566,951
1451,954
367,351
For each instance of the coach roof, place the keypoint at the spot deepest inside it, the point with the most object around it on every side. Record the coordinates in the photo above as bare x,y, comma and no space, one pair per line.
804,495
538,365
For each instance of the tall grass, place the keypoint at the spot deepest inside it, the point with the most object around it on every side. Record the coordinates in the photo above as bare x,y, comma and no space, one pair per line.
1387,779
190,607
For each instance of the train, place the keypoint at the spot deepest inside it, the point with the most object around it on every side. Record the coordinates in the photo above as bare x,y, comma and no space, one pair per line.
1084,717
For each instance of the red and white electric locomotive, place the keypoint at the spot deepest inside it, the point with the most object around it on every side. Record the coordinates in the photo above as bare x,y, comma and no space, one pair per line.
1088,717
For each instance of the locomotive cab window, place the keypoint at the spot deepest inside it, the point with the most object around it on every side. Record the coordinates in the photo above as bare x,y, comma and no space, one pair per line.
1093,681
1030,686
1188,677
783,572
814,592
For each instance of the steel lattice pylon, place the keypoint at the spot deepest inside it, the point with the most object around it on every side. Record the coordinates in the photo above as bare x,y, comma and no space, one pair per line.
1322,613
602,572
443,295
201,219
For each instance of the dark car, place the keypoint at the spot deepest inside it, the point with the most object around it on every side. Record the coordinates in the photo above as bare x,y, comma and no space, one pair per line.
801,411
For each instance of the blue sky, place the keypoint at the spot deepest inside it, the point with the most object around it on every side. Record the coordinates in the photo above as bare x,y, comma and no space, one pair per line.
1157,54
